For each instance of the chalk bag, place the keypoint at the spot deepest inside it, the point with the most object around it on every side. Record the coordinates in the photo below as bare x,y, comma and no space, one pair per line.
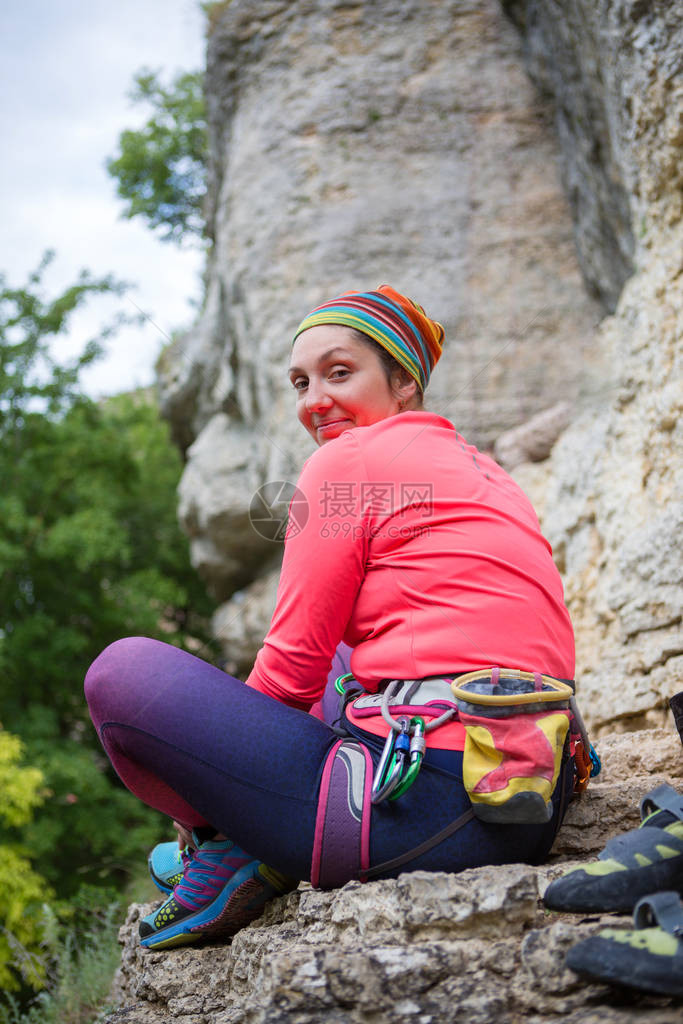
516,725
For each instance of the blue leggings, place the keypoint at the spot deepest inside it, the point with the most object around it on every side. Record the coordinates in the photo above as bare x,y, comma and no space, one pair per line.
203,748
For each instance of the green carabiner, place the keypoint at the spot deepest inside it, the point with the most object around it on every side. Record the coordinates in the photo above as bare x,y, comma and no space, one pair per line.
417,751
339,682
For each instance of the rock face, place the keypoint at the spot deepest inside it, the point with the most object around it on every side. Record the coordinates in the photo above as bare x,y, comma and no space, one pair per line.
356,143
430,948
416,121
612,490
613,71
532,441
613,508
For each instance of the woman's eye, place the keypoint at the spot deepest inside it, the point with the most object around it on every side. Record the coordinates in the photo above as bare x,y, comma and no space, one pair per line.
299,383
338,372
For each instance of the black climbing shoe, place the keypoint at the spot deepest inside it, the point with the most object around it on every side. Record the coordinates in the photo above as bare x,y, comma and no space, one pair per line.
650,958
676,705
644,860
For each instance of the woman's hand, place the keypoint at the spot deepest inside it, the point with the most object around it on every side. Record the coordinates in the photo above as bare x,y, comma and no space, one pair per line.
184,836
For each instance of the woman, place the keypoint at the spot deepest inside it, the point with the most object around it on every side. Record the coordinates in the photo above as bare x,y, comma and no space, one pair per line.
427,560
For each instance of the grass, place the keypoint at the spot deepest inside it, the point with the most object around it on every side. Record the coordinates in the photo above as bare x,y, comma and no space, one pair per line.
82,960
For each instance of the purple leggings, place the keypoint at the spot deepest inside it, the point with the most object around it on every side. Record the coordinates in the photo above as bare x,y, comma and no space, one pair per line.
203,748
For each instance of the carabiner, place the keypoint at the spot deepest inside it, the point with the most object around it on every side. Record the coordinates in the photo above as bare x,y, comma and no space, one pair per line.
392,762
417,752
341,681
596,763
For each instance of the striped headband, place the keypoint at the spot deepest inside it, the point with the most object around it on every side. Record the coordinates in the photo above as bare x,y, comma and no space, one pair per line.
395,322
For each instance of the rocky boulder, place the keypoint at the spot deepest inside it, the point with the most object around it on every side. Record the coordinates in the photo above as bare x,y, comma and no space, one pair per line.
430,948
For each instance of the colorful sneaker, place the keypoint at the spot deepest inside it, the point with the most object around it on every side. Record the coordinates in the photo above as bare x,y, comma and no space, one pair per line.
221,891
167,863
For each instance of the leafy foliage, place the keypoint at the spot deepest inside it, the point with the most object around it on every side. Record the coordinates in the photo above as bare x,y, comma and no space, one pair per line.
78,955
30,379
161,167
19,787
90,551
22,890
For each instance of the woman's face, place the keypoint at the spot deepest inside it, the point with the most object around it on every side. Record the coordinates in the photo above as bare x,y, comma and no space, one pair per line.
340,382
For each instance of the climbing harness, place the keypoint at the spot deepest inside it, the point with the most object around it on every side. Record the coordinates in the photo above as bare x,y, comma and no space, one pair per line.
341,845
517,729
424,705
516,726
394,688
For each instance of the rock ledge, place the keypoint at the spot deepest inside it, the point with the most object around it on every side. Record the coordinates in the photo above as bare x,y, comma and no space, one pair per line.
426,948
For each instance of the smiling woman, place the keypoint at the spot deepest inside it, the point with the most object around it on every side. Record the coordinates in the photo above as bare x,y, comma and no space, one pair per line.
363,359
423,560
345,385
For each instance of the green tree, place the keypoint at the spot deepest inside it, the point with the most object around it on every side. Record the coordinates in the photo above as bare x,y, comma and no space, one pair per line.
30,379
22,890
161,167
90,551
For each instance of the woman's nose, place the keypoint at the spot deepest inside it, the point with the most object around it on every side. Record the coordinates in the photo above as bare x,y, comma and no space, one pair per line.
317,397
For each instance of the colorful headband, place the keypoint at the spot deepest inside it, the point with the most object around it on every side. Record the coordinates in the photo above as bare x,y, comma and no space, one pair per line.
395,322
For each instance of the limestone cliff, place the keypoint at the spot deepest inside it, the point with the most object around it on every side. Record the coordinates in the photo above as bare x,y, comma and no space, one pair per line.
612,491
354,143
518,170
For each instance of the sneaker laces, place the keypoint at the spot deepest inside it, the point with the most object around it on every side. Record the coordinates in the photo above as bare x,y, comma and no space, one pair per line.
212,865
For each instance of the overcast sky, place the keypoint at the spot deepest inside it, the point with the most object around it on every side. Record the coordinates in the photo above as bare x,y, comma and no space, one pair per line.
65,70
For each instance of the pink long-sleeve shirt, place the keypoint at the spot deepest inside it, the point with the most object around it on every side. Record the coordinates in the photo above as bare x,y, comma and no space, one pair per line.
423,555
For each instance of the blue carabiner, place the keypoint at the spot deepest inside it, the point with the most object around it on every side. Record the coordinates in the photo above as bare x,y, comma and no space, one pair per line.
392,762
417,752
596,763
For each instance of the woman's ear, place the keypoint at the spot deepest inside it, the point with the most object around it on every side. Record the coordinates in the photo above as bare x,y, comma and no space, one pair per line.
405,389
